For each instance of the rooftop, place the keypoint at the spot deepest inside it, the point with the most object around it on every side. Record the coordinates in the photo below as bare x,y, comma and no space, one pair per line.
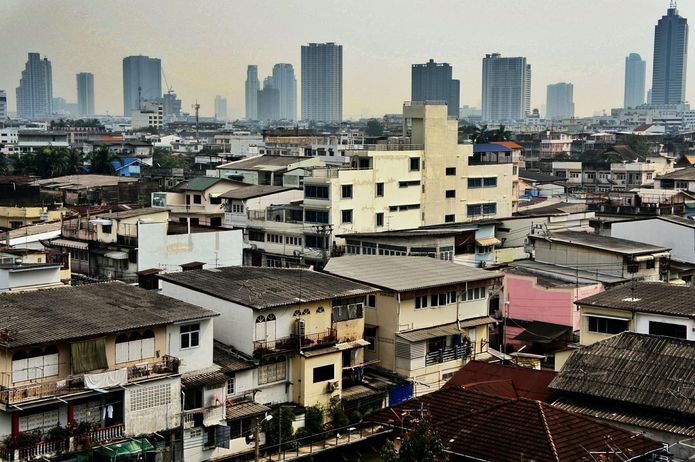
405,273
598,242
260,287
499,379
62,314
524,429
640,369
201,183
250,192
263,163
685,174
574,276
491,147
561,208
646,297
229,359
84,181
131,213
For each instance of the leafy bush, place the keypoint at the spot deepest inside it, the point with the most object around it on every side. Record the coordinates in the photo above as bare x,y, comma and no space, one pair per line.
313,420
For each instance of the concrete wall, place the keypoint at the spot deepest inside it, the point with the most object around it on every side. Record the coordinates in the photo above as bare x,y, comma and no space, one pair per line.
164,415
157,249
308,393
28,278
642,323
194,358
681,239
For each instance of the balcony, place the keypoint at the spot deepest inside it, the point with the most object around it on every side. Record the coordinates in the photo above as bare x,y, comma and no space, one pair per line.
77,232
454,353
295,343
203,416
42,390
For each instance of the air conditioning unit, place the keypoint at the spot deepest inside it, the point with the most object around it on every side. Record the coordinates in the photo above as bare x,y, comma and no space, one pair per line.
332,386
300,328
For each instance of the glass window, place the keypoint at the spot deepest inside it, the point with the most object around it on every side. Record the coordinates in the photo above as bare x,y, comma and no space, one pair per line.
316,216
316,192
197,198
380,190
475,182
346,216
490,182
323,373
371,301
667,329
607,325
414,163
346,191
450,171
421,302
474,210
190,336
380,219
449,218
450,193
489,209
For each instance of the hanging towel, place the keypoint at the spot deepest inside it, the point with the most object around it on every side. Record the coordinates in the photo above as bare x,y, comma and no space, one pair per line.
106,379
109,411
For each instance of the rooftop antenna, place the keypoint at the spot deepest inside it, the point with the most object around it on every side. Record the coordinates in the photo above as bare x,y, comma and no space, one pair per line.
673,4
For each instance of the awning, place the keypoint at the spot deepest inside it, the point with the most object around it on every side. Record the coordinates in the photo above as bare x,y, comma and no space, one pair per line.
211,377
116,255
543,332
69,244
121,451
100,221
420,335
487,241
351,345
245,409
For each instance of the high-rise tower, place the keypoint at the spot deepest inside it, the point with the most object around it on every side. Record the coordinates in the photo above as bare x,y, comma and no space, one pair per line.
85,94
322,82
286,84
635,74
35,90
670,58
142,81
252,87
432,82
506,88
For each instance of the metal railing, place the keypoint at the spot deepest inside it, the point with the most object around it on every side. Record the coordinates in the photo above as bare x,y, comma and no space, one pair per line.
295,342
448,354
205,414
394,147
40,390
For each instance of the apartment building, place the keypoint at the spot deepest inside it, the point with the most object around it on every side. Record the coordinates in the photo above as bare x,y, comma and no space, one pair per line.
76,377
431,181
268,170
305,328
117,245
430,317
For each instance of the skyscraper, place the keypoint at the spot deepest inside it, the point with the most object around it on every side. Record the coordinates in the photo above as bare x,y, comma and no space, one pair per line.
432,82
35,90
220,108
635,73
171,105
286,83
322,82
670,58
560,101
3,105
506,88
85,94
252,87
268,101
142,81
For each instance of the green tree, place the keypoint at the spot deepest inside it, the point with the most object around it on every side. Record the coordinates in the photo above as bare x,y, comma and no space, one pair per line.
500,135
338,417
272,428
480,134
313,420
374,128
100,161
164,159
421,444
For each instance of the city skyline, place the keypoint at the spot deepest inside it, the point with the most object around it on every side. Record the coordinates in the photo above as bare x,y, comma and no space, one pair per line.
593,64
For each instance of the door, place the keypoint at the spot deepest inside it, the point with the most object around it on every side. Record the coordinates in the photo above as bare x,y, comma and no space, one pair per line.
270,322
260,328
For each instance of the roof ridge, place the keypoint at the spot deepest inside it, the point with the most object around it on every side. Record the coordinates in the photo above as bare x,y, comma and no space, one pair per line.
548,434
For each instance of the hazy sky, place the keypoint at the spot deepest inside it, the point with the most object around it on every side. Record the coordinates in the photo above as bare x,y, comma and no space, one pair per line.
205,46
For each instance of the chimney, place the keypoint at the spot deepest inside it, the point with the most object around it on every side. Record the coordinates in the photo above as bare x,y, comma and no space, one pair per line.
194,265
147,279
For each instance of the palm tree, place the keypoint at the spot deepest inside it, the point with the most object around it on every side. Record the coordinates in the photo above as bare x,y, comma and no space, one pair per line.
480,135
500,135
101,161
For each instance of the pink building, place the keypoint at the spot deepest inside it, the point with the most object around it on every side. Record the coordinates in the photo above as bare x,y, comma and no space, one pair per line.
534,297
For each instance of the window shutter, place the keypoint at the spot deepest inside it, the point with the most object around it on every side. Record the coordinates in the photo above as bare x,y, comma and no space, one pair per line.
134,350
122,352
19,370
50,365
147,348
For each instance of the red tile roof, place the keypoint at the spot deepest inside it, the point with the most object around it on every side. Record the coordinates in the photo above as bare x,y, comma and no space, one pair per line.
477,425
505,380
509,144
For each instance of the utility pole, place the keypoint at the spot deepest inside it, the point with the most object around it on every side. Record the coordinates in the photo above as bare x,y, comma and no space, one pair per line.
196,107
256,435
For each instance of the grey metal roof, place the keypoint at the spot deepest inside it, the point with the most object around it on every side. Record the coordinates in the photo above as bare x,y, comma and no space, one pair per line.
405,273
641,369
67,313
263,163
628,415
245,409
564,273
646,297
211,377
595,241
453,328
229,359
685,174
262,288
250,192
131,213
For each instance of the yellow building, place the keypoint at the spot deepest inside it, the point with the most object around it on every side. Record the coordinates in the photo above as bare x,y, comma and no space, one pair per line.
430,317
304,327
16,217
430,181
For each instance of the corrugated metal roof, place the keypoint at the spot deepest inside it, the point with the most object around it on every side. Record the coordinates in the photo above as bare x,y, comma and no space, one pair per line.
419,335
210,377
646,297
489,147
405,273
595,241
245,409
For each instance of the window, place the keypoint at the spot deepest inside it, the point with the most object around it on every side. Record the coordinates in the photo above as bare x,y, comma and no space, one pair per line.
489,209
315,242
197,199
134,346
215,200
371,301
320,309
346,191
403,208
607,325
190,336
379,219
257,236
347,312
420,302
450,171
489,182
414,163
36,364
274,238
372,342
476,293
436,344
346,216
450,193
215,221
230,386
273,371
475,183
316,192
667,329
474,210
315,216
405,184
449,218
106,229
380,190
651,264
323,373
238,207
297,313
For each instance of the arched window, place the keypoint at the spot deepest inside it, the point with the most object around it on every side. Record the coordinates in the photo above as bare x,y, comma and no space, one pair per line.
261,318
147,344
122,338
320,310
296,313
50,350
135,336
271,317
306,312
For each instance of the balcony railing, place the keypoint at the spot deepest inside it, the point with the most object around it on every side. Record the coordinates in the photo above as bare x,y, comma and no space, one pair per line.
76,232
448,354
295,343
106,433
204,416
36,391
